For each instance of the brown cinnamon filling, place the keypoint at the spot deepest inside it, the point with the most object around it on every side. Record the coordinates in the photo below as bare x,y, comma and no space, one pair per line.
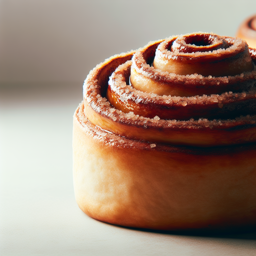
142,116
222,56
152,80
226,105
198,43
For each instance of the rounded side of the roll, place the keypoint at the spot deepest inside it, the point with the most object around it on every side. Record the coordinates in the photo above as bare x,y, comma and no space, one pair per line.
138,184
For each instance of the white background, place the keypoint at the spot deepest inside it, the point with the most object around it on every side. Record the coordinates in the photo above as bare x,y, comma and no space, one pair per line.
46,50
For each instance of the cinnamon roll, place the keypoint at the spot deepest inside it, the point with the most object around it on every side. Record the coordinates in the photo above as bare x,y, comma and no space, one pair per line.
165,137
247,31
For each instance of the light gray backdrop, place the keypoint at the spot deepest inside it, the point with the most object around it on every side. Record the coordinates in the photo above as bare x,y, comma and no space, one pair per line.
61,40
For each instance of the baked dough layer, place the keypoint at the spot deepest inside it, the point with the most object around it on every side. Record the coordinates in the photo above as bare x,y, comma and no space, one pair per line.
162,173
153,186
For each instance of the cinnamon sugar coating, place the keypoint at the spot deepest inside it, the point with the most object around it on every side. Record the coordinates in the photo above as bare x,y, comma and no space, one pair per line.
226,105
205,54
205,119
201,130
165,83
114,140
169,151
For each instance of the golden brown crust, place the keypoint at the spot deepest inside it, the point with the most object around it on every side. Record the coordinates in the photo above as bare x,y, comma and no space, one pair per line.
158,161
218,106
203,132
150,79
135,184
179,133
204,54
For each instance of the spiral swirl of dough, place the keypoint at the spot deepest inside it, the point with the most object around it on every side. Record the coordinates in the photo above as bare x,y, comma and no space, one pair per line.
197,89
165,136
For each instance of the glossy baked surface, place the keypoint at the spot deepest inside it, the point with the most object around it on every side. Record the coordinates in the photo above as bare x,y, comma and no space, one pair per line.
175,158
226,115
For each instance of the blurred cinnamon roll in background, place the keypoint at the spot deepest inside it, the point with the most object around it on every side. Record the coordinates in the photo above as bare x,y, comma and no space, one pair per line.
165,136
247,31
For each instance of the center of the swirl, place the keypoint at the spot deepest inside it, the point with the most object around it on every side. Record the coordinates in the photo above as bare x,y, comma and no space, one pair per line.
199,42
205,54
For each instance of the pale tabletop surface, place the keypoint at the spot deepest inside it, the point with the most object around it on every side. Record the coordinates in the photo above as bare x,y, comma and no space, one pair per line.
38,212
